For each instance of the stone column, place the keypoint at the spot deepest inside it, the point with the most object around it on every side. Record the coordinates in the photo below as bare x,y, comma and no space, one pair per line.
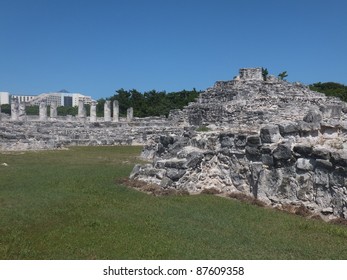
43,111
14,110
22,115
130,114
107,111
93,112
115,111
81,110
53,112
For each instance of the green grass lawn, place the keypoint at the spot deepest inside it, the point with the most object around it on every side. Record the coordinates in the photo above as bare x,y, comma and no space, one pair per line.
67,205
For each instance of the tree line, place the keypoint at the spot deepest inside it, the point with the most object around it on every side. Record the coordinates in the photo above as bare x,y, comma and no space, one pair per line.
331,89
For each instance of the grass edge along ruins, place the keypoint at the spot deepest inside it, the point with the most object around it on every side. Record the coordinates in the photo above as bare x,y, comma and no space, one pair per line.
270,139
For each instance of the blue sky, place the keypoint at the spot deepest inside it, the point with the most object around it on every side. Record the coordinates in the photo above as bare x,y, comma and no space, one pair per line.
98,46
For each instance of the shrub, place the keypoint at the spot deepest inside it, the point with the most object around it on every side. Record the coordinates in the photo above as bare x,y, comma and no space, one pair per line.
203,128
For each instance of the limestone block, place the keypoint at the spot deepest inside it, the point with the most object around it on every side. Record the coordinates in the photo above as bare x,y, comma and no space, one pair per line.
251,74
324,164
313,116
253,140
331,111
165,182
175,163
339,158
305,164
270,134
282,152
288,128
226,140
320,153
193,159
267,160
175,174
240,141
303,150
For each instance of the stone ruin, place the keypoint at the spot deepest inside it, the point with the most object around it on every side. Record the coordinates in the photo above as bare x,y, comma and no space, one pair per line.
275,141
21,132
272,140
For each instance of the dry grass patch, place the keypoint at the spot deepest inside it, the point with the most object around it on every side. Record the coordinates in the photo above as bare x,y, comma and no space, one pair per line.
150,188
210,191
338,221
247,198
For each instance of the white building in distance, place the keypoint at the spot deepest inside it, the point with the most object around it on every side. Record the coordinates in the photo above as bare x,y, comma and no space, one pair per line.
4,97
61,98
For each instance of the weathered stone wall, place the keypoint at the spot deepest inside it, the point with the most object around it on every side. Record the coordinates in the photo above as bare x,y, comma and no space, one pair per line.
276,141
37,135
299,163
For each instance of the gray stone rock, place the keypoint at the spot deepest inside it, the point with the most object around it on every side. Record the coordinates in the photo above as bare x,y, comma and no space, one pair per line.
175,174
253,140
253,153
288,129
193,159
320,153
226,140
165,182
135,171
270,134
282,152
176,163
324,164
240,141
305,164
339,158
267,159
313,116
303,150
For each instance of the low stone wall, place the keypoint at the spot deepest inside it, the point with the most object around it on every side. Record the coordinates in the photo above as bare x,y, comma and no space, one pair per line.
37,135
297,163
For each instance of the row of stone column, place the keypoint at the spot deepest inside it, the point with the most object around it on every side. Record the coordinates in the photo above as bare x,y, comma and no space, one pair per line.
107,111
18,111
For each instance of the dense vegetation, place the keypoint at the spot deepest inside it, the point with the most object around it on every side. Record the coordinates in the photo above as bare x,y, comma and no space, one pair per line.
150,103
331,89
69,204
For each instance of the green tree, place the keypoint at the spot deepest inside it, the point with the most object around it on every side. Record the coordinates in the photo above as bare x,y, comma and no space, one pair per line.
32,110
265,73
100,107
6,109
283,75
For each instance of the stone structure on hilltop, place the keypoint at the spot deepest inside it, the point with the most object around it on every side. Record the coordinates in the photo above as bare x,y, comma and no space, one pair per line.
276,141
